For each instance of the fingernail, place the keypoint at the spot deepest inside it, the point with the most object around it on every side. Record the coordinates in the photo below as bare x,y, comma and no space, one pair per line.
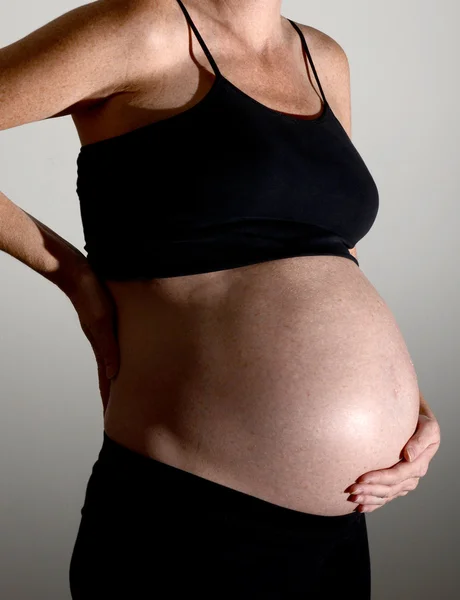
110,371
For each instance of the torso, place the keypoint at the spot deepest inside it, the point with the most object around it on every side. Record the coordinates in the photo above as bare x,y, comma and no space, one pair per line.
286,379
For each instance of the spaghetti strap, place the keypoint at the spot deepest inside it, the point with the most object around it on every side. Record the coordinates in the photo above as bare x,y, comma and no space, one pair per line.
200,39
307,51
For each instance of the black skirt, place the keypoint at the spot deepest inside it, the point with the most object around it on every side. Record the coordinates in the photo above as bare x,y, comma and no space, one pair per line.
149,530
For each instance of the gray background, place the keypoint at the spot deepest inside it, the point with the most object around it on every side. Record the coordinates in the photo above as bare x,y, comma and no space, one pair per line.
405,91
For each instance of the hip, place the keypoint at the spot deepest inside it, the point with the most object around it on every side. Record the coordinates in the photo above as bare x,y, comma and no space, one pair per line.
146,524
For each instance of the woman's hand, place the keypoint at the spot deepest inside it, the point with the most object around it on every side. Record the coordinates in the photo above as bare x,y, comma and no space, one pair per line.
377,488
96,311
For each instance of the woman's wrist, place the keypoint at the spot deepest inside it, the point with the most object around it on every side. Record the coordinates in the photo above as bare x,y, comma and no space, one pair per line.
63,264
70,272
27,239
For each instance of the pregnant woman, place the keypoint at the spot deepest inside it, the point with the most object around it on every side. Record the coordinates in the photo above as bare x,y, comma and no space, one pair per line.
254,374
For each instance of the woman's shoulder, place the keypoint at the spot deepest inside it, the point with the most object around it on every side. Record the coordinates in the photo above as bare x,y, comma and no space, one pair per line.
332,66
321,44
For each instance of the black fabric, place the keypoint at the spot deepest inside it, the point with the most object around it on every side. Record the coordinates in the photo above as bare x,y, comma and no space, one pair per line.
226,183
150,530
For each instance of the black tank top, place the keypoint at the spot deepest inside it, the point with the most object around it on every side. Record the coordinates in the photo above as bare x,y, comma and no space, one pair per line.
226,183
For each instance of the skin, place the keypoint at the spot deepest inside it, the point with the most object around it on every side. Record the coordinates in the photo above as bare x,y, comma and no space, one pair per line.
70,68
375,489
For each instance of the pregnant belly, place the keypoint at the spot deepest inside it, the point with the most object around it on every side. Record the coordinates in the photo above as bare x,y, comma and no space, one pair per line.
286,380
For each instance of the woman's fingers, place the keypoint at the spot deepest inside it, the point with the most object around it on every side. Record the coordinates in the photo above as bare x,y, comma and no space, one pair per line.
96,311
105,344
379,490
381,494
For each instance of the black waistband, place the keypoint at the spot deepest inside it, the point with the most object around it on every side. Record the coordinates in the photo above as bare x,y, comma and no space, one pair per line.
134,473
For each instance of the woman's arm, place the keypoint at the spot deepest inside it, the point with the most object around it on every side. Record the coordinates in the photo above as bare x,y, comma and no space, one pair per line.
80,55
24,237
83,55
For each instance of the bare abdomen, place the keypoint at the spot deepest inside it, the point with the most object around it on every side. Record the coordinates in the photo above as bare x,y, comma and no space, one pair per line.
286,380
